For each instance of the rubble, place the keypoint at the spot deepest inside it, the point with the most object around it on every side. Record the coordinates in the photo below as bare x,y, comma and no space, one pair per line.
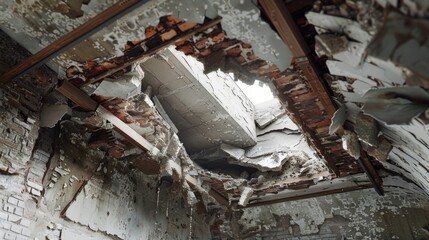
384,104
382,150
338,119
129,85
351,144
329,44
245,196
366,129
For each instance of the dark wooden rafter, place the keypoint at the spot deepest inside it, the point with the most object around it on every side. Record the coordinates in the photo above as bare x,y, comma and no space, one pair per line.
311,195
370,171
285,25
72,38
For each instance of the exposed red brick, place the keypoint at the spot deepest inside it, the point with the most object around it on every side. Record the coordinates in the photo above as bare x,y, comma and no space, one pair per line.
234,52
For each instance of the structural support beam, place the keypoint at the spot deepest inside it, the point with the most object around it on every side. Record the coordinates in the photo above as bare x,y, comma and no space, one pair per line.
127,132
285,25
310,195
289,32
77,96
178,38
72,38
84,101
372,174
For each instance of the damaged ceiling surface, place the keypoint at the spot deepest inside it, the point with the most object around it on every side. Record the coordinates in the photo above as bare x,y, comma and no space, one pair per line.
124,119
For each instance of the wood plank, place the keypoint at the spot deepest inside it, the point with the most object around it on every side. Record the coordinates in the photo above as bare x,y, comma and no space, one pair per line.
67,41
83,100
77,96
286,27
127,132
311,195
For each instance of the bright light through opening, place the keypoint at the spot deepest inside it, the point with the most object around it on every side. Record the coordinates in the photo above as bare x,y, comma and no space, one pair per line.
258,92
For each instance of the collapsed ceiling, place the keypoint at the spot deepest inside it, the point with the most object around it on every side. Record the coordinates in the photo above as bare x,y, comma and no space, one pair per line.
153,91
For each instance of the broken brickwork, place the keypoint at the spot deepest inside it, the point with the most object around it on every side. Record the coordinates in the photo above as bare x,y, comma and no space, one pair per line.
213,48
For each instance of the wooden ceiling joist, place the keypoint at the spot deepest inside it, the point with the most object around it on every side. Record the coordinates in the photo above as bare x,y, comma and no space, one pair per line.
72,38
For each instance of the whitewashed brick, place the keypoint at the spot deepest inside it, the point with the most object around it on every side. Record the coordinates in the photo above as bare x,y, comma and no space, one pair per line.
35,192
3,215
10,236
35,185
21,204
25,222
19,211
12,201
5,225
16,229
8,208
13,218
26,232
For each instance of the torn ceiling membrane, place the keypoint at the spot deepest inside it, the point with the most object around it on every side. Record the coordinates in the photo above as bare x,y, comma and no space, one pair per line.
377,74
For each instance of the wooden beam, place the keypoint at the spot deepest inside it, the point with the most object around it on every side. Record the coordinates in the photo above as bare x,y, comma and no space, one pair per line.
311,195
316,83
4,67
67,41
372,174
285,25
77,96
154,50
127,132
83,100
291,35
289,32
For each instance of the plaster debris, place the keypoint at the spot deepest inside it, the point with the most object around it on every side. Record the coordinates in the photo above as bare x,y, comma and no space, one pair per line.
268,112
367,129
207,109
340,116
129,85
385,104
245,196
284,123
329,44
351,144
382,150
